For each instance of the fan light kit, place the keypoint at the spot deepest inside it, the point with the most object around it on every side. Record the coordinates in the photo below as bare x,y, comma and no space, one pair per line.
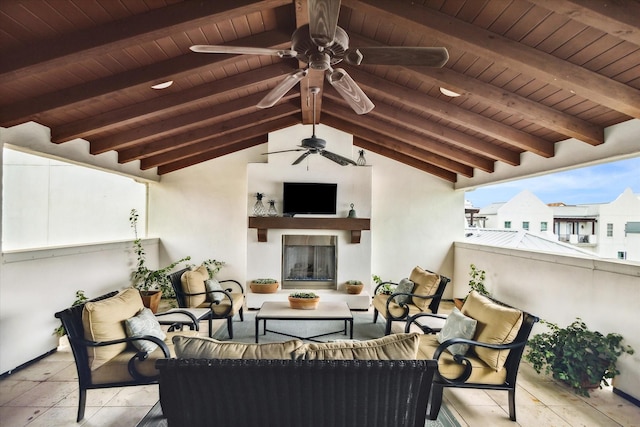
449,92
162,85
322,44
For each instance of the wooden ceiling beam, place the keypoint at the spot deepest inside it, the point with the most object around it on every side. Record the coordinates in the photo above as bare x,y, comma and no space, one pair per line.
212,154
404,159
618,18
452,113
399,140
219,141
499,98
510,54
106,121
398,129
100,40
94,91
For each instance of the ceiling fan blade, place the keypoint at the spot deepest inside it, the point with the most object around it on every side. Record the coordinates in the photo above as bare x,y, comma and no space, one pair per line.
399,55
323,20
281,88
337,158
285,151
239,50
349,90
301,158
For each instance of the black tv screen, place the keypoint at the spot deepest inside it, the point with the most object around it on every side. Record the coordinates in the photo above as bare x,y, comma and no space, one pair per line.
309,198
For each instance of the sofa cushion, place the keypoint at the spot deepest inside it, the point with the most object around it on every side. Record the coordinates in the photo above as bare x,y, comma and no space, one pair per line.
426,283
144,323
104,321
193,283
450,369
213,285
457,325
404,287
497,324
209,348
380,303
390,347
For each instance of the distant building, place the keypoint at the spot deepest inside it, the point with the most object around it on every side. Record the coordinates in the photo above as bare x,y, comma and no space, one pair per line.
609,230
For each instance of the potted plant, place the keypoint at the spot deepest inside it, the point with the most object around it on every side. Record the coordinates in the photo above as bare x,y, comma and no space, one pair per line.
580,357
304,300
386,289
476,284
152,284
264,286
81,298
354,286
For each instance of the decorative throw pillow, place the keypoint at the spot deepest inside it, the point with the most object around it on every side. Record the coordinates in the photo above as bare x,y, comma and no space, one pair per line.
213,285
389,347
144,323
209,348
457,325
193,283
404,287
426,283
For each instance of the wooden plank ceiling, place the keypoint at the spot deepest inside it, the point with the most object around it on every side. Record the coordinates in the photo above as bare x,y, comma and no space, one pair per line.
530,73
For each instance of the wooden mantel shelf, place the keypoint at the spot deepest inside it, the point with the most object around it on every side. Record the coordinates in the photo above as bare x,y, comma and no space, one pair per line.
264,223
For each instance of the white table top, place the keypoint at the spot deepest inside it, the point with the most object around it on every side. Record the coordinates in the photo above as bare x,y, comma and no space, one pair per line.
325,310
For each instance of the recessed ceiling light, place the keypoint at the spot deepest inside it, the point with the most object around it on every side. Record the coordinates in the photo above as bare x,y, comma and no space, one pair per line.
449,92
162,85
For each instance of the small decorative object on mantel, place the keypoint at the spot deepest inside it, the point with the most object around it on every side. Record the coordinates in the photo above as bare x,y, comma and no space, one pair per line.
352,212
361,160
303,300
354,287
258,207
272,208
264,286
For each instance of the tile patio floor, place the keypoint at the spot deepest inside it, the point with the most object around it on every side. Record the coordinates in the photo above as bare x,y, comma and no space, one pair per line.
45,394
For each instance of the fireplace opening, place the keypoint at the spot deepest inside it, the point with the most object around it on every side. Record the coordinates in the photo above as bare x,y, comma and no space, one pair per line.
309,262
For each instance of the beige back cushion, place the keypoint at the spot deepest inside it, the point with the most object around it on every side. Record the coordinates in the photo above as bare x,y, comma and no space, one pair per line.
425,284
209,348
497,324
390,347
193,283
104,321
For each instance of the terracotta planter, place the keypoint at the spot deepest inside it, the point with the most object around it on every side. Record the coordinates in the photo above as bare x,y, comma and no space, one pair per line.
354,289
458,302
151,299
304,303
263,288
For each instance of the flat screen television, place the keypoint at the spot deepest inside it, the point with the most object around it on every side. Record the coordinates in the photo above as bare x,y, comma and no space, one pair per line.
309,198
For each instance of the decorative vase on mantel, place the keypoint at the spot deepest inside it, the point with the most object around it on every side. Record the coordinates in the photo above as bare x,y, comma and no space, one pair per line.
272,208
258,207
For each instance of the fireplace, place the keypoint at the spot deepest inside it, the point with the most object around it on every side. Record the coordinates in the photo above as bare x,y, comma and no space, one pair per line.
309,262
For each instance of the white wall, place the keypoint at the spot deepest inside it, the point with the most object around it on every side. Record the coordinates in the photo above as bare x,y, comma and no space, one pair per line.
559,288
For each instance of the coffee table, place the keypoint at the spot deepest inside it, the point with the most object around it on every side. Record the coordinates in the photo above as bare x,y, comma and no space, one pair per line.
280,310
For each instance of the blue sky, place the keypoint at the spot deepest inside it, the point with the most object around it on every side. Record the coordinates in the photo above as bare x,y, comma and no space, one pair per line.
593,184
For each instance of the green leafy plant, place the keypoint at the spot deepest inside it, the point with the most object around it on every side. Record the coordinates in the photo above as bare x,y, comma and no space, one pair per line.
213,266
264,281
303,295
81,298
386,289
354,282
576,355
143,277
477,280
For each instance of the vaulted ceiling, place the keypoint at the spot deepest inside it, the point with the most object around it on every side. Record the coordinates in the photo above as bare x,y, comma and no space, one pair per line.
529,74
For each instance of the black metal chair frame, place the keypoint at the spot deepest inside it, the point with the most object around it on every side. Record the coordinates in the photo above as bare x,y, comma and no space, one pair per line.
390,318
176,281
71,319
516,349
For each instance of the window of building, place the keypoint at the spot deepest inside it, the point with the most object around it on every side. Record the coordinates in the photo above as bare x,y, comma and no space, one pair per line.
609,230
543,226
507,224
48,203
525,225
622,255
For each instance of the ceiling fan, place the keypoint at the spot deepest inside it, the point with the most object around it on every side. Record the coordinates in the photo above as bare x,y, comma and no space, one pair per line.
322,44
315,145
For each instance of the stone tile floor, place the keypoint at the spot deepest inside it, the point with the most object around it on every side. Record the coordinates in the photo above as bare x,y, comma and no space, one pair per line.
45,394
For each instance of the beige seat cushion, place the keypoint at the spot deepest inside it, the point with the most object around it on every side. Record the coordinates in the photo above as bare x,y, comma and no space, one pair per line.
497,324
116,369
390,347
448,368
380,303
193,283
209,348
219,309
426,284
105,321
